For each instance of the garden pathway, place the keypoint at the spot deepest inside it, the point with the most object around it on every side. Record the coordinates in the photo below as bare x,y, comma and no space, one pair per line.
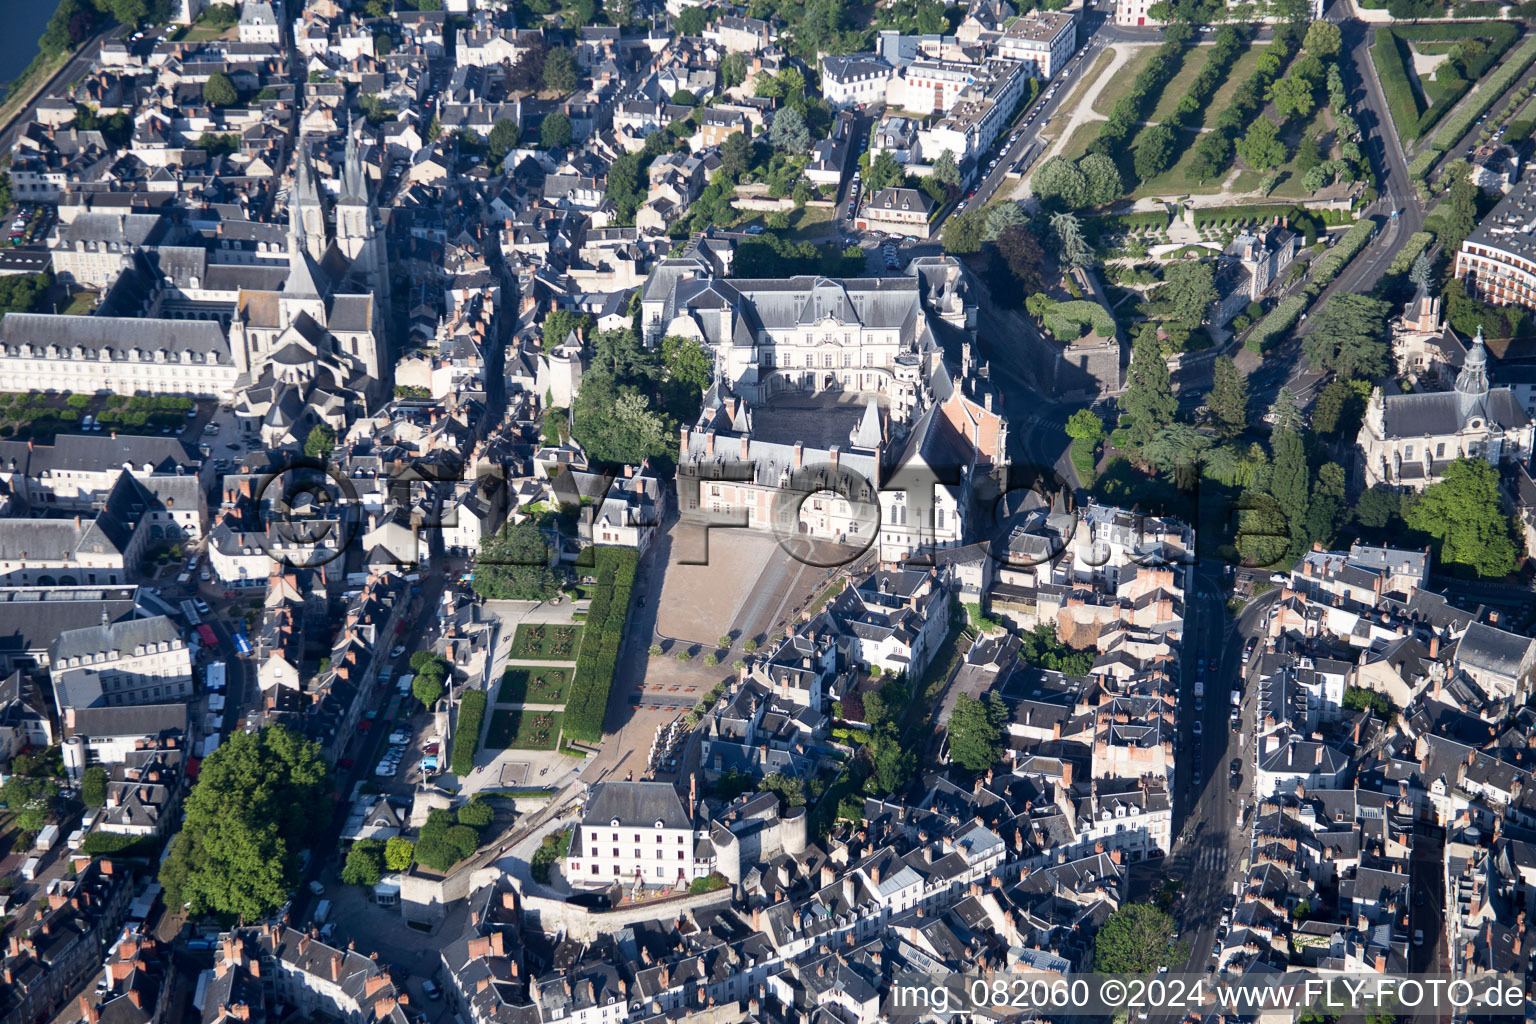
1082,108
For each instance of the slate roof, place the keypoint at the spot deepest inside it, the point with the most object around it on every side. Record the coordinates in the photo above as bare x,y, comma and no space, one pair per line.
636,803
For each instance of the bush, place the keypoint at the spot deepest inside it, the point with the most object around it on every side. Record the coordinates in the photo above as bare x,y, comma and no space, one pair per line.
1279,320
555,846
466,736
476,814
365,863
1331,263
1488,90
711,882
98,843
587,704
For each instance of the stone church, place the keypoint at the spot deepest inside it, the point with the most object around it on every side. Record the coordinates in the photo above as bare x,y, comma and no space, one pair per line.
312,352
1407,441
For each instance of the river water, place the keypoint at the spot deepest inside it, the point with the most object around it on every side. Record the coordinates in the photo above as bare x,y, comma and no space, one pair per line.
24,21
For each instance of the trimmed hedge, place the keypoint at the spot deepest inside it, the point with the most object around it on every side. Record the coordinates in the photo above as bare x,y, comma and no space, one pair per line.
1125,223
466,736
1488,90
1423,162
599,654
1279,320
1390,55
1403,261
1394,66
1331,263
1063,318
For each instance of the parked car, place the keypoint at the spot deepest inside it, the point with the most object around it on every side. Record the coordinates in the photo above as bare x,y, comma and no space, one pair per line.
316,888
398,650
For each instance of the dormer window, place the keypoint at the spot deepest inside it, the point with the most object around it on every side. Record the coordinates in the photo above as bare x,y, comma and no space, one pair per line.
658,823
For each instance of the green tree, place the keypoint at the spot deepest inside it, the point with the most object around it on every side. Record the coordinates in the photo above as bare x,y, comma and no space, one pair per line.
1349,337
1155,151
1148,404
894,765
1136,939
1285,413
555,131
735,151
258,801
1212,156
962,231
688,363
1084,425
975,732
560,72
427,687
1228,400
1293,97
1340,408
1001,217
365,863
398,854
1061,181
616,423
946,171
1072,249
789,134
1323,40
1418,275
691,22
320,442
1460,215
514,566
503,138
1188,289
476,814
685,98
382,44
1261,147
1288,484
1465,514
219,91
733,69
1378,508
93,786
1102,179
884,172
1325,510
558,325
620,12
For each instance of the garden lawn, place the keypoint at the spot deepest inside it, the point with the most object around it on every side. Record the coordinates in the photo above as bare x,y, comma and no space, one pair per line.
1120,86
1242,69
1081,139
524,730
534,686
1178,180
545,642
1175,90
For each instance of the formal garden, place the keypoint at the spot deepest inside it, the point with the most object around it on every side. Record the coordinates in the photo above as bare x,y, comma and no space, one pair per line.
545,642
524,730
534,686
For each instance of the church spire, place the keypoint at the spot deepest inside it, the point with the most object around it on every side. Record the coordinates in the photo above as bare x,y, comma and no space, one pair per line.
353,189
1472,381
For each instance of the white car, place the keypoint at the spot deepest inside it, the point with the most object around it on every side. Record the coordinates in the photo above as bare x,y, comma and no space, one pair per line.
400,737
385,768
399,650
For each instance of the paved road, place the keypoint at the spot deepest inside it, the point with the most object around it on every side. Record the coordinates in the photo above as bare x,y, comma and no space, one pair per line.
1285,365
1211,850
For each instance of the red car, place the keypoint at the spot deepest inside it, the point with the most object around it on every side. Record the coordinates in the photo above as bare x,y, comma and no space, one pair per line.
345,764
363,725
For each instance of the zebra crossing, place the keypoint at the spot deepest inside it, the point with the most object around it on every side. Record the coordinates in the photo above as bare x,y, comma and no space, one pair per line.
1212,859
